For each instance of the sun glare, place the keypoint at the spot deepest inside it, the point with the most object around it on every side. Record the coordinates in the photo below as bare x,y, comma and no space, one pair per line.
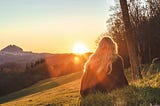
79,48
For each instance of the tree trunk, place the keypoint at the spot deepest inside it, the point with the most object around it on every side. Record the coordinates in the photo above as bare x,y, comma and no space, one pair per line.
136,74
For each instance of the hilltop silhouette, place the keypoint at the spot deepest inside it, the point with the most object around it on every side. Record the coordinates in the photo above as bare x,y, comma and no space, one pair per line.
12,48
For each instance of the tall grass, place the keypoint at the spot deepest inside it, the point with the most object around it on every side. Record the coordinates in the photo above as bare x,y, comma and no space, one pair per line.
144,92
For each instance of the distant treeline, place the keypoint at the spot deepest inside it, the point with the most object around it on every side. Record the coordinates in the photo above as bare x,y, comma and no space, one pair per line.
13,80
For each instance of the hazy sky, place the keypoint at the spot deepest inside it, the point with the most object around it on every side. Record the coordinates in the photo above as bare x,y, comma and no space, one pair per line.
52,25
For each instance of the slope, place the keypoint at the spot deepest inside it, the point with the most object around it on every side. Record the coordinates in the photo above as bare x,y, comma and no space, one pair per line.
144,92
44,86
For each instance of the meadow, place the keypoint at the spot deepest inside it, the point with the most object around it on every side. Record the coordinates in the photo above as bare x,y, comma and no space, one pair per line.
64,90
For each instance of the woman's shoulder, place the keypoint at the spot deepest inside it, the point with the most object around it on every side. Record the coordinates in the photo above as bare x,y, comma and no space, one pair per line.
118,60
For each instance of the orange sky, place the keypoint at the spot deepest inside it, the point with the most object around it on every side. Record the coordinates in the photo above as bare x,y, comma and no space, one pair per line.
52,25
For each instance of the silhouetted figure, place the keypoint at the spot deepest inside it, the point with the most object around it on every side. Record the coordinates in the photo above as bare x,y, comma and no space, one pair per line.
104,69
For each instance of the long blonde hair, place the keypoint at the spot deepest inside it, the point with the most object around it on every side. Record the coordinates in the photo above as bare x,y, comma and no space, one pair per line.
103,57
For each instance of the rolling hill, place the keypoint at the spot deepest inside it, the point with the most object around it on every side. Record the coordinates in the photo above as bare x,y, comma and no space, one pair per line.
21,69
64,90
60,90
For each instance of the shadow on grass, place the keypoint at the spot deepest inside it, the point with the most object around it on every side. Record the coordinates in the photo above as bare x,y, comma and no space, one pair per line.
25,92
128,96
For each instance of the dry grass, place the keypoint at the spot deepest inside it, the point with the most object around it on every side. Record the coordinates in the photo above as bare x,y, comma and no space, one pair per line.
61,90
144,92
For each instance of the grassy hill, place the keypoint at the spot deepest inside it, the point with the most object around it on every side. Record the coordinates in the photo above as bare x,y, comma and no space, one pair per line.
65,91
49,88
54,65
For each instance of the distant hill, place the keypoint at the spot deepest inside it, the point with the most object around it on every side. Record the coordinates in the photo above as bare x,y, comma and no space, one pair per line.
14,54
12,48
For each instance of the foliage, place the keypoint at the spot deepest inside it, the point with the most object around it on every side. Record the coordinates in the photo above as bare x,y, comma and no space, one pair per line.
145,20
15,80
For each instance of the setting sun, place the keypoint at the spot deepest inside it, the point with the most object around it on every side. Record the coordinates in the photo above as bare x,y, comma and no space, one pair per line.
79,48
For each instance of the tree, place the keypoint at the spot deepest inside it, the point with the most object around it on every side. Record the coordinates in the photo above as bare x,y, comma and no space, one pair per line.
136,74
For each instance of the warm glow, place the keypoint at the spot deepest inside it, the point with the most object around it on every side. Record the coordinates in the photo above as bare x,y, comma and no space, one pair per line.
79,48
76,60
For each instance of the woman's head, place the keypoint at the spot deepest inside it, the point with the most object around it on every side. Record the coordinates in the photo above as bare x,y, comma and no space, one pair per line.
105,54
107,45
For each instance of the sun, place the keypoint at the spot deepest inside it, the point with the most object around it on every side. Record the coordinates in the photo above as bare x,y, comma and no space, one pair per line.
79,48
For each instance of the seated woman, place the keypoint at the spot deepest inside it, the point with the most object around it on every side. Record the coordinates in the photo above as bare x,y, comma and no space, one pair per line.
104,70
